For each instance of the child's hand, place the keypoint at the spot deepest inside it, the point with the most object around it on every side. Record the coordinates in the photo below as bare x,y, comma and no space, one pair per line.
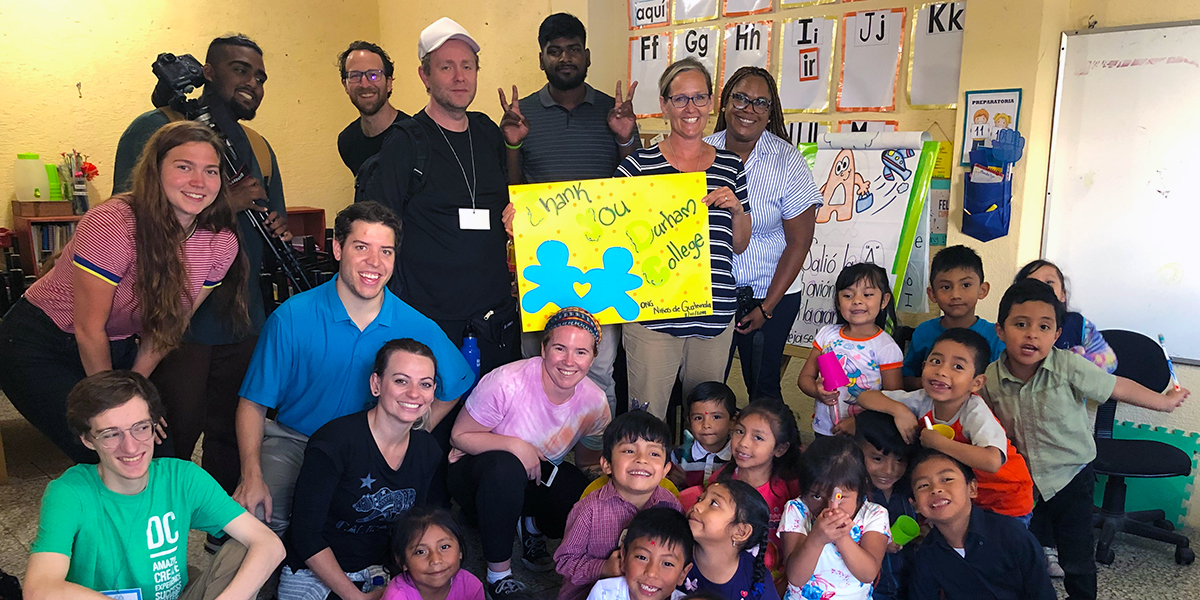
612,565
1174,399
893,547
844,427
831,525
677,476
907,424
930,438
825,397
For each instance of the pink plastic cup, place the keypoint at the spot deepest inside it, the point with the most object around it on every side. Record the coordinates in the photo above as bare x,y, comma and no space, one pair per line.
831,372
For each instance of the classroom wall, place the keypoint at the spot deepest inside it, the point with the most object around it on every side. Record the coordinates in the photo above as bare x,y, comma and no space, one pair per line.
77,81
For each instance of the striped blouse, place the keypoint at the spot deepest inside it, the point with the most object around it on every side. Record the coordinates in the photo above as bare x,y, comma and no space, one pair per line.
783,189
727,171
104,246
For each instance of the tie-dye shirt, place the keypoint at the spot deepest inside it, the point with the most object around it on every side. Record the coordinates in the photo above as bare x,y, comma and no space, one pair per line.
511,401
864,362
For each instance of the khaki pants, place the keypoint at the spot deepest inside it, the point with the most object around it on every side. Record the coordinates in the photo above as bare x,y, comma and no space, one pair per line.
655,359
213,580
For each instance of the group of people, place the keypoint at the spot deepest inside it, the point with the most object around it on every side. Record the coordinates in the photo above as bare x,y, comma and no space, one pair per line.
338,430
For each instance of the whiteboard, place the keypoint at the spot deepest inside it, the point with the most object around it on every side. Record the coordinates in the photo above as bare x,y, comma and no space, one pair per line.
1122,213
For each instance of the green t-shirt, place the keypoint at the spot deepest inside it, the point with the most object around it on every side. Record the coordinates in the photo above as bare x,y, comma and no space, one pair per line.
123,543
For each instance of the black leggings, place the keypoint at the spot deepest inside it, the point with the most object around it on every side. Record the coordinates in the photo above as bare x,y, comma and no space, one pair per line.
39,364
493,486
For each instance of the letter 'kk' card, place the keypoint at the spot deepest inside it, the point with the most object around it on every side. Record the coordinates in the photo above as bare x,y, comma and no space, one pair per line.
624,249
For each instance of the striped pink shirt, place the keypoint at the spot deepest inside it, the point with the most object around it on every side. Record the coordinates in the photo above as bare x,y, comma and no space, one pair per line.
104,246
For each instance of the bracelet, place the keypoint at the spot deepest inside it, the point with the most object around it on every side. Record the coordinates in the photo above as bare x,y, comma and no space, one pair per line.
632,138
511,147
764,312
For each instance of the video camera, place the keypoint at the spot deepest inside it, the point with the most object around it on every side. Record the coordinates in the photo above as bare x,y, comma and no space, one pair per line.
179,76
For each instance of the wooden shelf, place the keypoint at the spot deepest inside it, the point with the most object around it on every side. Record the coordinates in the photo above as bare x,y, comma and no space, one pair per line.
23,226
307,220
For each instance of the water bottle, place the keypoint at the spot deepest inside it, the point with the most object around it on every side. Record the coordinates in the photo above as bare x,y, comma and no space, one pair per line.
29,174
470,351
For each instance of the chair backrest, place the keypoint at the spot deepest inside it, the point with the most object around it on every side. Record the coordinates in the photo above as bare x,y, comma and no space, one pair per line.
1138,358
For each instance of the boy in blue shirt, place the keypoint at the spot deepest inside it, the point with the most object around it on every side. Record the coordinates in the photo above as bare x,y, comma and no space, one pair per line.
956,285
886,455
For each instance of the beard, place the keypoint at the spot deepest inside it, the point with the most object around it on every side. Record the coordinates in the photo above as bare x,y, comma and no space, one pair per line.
239,112
369,107
566,83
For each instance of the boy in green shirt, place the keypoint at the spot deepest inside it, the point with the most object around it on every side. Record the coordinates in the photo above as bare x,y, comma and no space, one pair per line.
1039,394
119,529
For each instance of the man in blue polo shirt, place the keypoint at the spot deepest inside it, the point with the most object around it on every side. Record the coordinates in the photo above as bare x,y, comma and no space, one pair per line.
575,132
314,358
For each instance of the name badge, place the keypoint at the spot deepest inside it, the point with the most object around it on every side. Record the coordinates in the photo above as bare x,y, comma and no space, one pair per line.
133,594
478,219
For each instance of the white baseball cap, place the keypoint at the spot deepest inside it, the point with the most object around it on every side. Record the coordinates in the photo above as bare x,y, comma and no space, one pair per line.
440,32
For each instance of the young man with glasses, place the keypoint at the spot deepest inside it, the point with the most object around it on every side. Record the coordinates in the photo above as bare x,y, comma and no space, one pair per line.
119,529
575,132
367,76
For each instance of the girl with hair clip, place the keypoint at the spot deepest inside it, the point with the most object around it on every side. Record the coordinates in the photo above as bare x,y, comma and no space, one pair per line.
361,473
729,524
785,200
428,549
870,358
1079,335
834,538
123,292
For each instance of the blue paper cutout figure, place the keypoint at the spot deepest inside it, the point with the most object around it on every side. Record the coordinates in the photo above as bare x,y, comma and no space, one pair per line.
1008,146
610,285
555,279
893,164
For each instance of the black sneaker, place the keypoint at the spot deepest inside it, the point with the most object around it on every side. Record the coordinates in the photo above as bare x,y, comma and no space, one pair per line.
533,550
212,543
502,589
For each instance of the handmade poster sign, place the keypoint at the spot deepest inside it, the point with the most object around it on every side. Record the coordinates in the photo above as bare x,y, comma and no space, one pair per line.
874,187
649,56
935,55
987,112
786,4
700,43
871,45
624,249
868,126
806,132
649,13
691,11
741,8
746,44
806,63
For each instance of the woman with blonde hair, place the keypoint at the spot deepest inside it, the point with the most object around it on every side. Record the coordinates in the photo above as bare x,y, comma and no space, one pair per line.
123,292
695,349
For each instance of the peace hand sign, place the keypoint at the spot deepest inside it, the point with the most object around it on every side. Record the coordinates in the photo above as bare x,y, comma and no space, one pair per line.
513,124
621,119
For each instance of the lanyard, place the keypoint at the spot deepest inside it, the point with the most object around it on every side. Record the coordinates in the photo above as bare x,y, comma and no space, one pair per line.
472,184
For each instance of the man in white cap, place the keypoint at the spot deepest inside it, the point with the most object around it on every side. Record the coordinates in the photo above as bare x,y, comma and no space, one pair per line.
445,175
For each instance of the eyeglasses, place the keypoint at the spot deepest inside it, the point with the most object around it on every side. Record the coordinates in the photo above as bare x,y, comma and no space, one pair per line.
110,438
681,100
742,102
372,75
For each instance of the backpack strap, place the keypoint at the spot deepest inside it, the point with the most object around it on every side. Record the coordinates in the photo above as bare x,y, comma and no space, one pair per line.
262,153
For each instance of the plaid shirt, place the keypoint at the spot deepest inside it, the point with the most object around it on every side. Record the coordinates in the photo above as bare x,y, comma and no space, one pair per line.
593,531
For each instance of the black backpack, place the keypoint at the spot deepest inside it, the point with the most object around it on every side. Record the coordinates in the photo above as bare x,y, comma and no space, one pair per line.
369,183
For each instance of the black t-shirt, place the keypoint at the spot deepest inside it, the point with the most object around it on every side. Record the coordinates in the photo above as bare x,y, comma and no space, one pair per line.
355,147
450,273
347,496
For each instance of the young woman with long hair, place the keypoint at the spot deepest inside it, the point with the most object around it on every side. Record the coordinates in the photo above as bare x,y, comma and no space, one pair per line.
124,290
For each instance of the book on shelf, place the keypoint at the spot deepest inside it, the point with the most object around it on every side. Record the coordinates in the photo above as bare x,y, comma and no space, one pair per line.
49,239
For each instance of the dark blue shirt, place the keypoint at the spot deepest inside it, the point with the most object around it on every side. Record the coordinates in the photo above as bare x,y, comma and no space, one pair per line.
741,586
896,568
1003,562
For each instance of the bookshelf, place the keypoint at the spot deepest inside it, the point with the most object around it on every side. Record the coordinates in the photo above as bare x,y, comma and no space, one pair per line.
40,237
307,220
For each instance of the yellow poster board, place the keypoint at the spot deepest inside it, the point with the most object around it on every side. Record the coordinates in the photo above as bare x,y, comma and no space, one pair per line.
625,249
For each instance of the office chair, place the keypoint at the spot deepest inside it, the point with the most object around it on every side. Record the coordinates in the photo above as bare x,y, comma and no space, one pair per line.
1141,359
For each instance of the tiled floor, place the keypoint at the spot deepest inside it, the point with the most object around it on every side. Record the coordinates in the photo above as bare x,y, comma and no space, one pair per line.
1143,569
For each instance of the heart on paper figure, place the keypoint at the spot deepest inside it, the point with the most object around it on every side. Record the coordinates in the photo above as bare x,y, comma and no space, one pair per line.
581,289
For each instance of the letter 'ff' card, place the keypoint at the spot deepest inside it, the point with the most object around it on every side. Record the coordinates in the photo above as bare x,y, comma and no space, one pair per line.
624,249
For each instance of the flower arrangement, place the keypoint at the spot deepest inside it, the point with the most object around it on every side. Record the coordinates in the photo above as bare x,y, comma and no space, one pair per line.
73,174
